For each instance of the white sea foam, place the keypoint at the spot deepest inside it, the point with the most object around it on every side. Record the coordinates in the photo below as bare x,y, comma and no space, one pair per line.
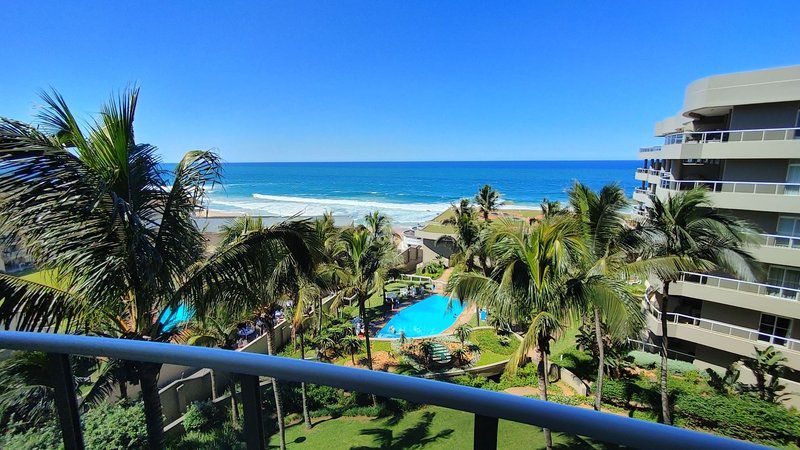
280,205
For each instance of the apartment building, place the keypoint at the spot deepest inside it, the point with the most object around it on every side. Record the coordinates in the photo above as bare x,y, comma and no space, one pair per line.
13,257
738,135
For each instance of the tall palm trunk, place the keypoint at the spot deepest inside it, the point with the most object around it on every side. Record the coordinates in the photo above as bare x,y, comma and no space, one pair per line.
598,331
303,392
234,402
542,373
148,379
664,353
477,315
319,326
362,310
278,400
123,390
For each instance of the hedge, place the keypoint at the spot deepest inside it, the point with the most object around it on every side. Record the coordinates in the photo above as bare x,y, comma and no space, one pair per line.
742,417
653,361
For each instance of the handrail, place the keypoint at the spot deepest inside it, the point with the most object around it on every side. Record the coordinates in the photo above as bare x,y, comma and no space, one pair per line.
485,404
654,148
781,241
742,187
731,330
753,135
760,288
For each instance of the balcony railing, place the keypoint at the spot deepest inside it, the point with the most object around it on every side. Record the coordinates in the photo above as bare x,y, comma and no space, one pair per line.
725,328
488,406
655,148
776,240
741,187
782,292
754,135
641,170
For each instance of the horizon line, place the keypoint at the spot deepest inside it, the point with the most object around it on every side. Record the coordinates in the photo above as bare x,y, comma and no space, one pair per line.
420,161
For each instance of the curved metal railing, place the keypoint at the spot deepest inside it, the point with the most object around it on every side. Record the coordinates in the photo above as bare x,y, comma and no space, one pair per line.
488,406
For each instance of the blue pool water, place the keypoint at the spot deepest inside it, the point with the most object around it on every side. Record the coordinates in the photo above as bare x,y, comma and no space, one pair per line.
173,319
424,318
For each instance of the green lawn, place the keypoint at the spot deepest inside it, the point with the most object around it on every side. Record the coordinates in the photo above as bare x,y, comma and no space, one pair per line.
439,228
39,276
429,428
491,349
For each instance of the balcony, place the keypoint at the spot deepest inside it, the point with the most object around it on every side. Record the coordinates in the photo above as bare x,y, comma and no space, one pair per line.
641,174
642,195
777,249
488,406
781,143
777,300
744,195
723,336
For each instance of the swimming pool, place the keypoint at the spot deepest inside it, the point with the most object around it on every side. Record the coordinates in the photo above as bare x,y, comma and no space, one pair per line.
426,317
171,320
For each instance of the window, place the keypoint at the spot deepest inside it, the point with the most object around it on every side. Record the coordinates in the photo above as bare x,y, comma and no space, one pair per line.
788,226
783,277
773,328
793,176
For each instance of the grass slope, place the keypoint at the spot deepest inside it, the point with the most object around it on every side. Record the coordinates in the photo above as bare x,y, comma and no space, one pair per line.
429,428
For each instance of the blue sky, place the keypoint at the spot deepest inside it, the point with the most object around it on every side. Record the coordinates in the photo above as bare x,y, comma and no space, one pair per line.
375,81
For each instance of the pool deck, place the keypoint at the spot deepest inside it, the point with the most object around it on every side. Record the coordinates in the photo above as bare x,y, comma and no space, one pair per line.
466,315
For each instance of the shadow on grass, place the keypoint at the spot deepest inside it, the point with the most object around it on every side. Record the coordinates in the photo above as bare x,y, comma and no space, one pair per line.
569,442
416,435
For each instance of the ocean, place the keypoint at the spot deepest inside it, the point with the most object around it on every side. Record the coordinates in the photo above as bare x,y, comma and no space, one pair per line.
409,192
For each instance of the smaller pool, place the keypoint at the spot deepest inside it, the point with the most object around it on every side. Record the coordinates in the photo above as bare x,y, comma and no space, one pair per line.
424,318
173,319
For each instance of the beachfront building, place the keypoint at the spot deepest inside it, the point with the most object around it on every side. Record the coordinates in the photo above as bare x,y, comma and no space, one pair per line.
738,135
13,256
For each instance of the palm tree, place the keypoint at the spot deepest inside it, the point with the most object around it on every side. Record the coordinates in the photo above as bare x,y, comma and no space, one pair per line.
551,208
219,328
600,281
686,227
27,393
351,345
91,207
280,277
768,366
467,235
378,224
468,243
426,349
462,332
487,200
301,321
528,284
361,262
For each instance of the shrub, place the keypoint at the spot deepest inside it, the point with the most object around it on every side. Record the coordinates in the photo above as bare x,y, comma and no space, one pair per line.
201,416
367,411
320,396
44,437
222,438
119,425
653,361
742,417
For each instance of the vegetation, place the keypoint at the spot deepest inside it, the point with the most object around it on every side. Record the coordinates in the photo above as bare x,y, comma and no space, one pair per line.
120,254
686,228
767,366
123,249
487,200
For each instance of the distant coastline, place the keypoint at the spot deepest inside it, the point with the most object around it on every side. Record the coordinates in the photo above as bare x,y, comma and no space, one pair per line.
410,193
